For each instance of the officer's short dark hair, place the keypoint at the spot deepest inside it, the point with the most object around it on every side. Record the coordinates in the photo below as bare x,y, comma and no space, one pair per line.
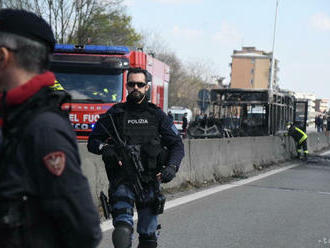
29,36
30,55
147,75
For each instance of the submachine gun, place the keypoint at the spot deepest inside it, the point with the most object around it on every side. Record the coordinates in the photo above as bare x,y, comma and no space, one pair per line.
132,153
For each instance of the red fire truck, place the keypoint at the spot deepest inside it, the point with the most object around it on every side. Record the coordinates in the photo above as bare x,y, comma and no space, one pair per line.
95,76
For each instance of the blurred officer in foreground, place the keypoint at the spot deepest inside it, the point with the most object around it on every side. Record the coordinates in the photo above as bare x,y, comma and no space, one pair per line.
130,137
300,137
45,200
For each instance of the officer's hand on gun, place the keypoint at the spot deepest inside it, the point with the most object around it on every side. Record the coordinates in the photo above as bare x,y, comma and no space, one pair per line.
167,174
109,155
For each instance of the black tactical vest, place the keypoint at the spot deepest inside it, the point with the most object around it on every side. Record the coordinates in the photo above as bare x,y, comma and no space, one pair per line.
141,127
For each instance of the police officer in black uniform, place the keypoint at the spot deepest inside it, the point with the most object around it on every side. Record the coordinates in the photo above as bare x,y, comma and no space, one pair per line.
45,200
144,125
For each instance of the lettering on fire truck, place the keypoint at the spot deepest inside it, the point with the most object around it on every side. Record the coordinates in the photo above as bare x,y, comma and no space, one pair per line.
80,123
83,126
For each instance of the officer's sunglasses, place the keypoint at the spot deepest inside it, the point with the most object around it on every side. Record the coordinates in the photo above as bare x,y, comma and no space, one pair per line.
139,84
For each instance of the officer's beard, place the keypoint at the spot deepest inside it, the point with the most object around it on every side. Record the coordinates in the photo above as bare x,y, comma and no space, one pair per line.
135,96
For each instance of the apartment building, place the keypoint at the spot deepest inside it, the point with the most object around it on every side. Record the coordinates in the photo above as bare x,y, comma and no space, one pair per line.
321,105
250,69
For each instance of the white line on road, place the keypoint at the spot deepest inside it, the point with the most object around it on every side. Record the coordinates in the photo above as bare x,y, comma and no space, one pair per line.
325,153
207,192
107,225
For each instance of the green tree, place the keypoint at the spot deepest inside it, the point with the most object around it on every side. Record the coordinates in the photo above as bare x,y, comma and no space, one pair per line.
80,21
113,28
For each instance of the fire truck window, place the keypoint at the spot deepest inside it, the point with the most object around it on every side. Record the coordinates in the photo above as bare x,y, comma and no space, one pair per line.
99,87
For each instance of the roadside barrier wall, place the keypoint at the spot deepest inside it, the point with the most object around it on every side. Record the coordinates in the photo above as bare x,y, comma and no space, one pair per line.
208,160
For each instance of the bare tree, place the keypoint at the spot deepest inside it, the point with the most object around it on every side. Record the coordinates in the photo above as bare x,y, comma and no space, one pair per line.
153,43
186,79
68,18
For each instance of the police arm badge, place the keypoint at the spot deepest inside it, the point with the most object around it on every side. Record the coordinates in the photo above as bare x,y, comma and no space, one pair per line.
55,162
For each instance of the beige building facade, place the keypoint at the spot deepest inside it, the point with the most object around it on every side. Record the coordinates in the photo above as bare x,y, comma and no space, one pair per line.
321,105
250,69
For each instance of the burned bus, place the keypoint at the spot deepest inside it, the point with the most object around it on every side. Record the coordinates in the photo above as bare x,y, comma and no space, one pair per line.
249,112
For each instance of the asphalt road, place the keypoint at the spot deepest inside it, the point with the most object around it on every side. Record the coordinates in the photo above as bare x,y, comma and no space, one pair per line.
289,209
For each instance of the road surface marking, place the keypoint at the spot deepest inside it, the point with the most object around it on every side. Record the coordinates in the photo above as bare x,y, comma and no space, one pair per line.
107,225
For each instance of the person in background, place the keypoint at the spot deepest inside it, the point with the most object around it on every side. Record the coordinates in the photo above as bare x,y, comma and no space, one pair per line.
318,123
324,123
300,138
184,125
198,117
170,116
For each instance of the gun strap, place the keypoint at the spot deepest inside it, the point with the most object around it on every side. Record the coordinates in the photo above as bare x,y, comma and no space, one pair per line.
116,131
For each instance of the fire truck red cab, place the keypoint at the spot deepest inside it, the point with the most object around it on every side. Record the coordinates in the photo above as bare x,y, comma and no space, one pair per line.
95,76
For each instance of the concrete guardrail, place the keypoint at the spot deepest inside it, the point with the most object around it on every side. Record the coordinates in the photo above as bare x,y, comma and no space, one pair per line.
210,159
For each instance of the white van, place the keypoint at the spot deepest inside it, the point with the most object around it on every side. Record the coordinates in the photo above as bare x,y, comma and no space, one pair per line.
178,113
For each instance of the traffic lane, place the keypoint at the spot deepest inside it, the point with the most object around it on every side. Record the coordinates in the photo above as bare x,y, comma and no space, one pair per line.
260,214
249,217
106,241
305,177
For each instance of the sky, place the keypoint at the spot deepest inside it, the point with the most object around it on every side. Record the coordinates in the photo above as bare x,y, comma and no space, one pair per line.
208,31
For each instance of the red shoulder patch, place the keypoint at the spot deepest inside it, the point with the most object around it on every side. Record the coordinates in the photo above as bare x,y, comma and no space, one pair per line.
55,162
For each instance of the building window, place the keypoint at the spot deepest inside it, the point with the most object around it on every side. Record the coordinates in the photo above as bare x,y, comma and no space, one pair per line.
253,61
252,81
252,70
